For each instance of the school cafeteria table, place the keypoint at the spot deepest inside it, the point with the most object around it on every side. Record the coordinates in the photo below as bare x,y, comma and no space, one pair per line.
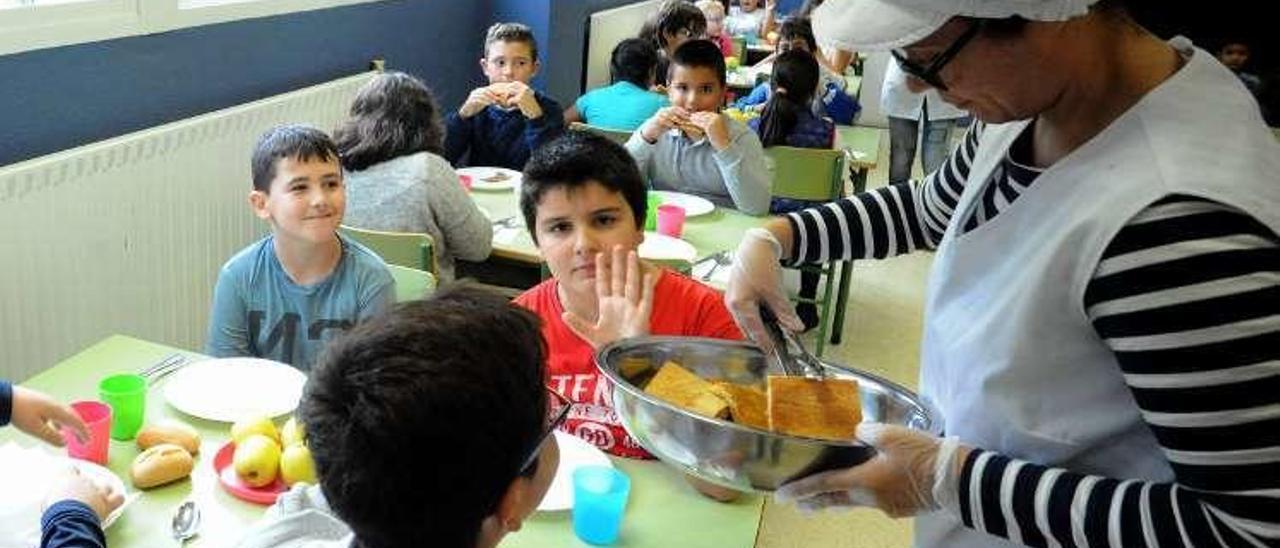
663,511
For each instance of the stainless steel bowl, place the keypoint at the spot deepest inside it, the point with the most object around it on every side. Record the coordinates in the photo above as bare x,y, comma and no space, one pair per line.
730,454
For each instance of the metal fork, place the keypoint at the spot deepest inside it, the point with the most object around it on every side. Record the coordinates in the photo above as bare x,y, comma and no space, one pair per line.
169,364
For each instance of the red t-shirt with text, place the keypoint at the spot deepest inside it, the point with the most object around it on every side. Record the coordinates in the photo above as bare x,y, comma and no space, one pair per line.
681,306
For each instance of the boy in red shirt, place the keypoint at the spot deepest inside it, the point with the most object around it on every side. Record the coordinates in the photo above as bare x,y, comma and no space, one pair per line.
583,201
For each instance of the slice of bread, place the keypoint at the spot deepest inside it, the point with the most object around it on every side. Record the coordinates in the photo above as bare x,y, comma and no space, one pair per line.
826,409
748,405
680,387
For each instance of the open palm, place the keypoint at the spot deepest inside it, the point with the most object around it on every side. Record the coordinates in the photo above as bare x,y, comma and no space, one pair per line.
624,300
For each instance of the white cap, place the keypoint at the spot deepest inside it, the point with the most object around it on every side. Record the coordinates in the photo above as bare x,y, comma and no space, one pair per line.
861,25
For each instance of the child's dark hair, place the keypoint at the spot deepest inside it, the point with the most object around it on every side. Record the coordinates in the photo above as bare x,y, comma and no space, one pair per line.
674,17
300,142
795,78
511,32
416,430
699,54
393,115
572,160
633,60
798,27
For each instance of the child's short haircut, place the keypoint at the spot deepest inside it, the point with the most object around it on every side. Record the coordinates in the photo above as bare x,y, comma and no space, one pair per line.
416,430
674,17
699,54
511,32
798,27
393,115
633,60
708,6
300,142
572,160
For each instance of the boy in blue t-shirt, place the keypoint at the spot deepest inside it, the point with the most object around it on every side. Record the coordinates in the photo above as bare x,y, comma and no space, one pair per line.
285,296
501,123
626,103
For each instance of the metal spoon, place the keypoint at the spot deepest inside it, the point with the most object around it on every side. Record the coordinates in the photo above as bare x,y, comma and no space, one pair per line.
186,522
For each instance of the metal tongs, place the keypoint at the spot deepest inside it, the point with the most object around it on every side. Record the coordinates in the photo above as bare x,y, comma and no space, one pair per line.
788,353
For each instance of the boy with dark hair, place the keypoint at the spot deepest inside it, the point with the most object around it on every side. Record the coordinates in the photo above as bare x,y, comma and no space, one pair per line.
675,22
399,406
501,123
1235,55
584,203
691,147
285,296
628,102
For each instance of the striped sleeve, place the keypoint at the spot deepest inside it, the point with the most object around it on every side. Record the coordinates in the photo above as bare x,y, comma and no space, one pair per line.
1187,295
886,221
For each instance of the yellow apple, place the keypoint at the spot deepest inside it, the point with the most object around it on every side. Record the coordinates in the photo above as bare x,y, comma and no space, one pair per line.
296,465
292,433
257,460
249,426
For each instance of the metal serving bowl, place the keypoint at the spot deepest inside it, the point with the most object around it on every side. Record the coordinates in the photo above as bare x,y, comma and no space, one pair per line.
729,454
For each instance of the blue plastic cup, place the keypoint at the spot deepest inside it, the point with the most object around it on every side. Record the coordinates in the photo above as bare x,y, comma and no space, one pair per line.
599,499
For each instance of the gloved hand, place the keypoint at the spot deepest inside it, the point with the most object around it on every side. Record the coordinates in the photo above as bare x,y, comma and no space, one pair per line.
911,472
755,278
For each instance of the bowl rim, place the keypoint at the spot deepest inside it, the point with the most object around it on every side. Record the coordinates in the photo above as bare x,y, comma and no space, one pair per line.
619,382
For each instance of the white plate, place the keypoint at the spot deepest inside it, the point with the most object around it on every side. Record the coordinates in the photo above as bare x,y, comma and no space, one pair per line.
510,178
574,452
229,389
693,205
27,473
658,247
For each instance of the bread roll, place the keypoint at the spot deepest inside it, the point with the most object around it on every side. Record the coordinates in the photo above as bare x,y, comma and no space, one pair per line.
170,431
159,465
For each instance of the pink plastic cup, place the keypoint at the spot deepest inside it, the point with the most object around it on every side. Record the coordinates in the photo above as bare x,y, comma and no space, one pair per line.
97,417
465,180
670,220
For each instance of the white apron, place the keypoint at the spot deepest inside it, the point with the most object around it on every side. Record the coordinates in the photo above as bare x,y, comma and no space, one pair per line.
1009,356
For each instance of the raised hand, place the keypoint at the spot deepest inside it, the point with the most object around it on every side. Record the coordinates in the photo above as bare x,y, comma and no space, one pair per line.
624,300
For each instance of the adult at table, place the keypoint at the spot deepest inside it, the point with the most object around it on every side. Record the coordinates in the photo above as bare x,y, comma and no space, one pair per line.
75,505
1102,335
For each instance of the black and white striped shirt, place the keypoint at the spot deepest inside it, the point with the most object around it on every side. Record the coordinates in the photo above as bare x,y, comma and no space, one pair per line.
1187,295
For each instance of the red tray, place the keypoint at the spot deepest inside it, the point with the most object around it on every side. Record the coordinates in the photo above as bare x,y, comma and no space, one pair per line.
231,482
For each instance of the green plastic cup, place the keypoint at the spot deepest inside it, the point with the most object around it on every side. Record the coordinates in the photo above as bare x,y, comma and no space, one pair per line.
126,393
653,200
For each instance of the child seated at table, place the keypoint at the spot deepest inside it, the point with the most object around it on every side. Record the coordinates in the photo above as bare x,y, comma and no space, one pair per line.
75,504
501,123
713,10
396,179
628,102
286,295
788,121
675,22
691,147
584,203
420,436
830,100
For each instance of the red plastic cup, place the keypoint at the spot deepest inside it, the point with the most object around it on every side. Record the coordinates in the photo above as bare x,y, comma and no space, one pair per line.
465,180
97,417
670,220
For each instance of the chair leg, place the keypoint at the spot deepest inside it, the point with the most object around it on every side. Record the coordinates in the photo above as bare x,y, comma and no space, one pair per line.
858,176
824,318
842,301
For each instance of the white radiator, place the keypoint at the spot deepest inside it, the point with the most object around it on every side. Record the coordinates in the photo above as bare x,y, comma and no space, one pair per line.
127,235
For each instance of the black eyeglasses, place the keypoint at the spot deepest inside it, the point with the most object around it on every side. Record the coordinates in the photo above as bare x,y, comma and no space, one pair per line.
557,410
929,73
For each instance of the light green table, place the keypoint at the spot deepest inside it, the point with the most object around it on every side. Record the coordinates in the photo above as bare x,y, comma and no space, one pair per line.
709,234
663,510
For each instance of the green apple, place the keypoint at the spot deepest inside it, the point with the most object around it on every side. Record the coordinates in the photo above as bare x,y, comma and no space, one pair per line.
249,426
296,465
257,460
731,63
292,433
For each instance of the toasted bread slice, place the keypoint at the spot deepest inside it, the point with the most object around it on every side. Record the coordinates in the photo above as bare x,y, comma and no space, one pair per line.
748,405
814,408
680,387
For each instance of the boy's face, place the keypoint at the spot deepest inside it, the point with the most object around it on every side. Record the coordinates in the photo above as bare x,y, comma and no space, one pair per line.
715,22
695,88
794,43
1234,56
509,62
674,40
749,5
573,225
306,201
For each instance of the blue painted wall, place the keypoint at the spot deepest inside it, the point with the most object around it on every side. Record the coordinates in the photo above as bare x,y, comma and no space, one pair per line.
63,97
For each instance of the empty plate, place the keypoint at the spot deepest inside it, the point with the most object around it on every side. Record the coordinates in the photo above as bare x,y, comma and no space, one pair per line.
659,247
228,389
491,178
693,205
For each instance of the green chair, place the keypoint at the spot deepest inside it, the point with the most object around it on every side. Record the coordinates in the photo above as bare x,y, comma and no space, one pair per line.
616,135
411,284
408,249
813,175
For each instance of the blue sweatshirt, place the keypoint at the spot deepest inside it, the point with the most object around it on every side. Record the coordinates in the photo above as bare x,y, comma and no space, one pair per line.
497,137
67,523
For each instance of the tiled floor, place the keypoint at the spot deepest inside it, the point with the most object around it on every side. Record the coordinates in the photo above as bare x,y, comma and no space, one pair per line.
882,335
